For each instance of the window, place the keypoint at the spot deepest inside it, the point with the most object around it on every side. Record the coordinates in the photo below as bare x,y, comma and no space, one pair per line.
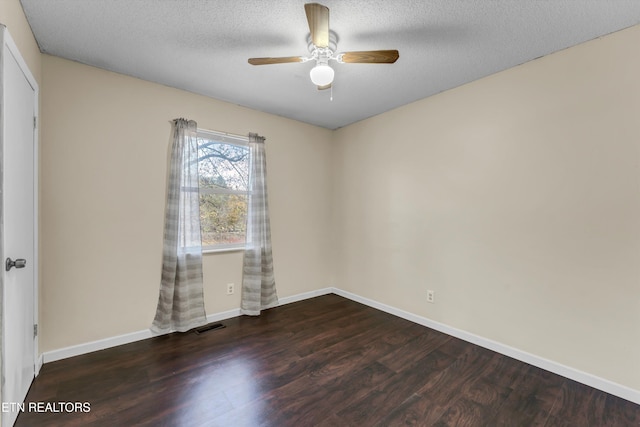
223,171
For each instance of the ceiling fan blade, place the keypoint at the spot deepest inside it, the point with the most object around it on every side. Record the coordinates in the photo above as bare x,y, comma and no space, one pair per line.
324,87
281,60
318,18
371,57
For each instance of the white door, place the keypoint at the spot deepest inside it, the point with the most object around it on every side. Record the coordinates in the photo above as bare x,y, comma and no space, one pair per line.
19,186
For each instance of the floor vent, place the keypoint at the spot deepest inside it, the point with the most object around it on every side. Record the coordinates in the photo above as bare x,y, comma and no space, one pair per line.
209,327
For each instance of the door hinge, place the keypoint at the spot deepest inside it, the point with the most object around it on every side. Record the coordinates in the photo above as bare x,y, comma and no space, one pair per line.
35,122
35,330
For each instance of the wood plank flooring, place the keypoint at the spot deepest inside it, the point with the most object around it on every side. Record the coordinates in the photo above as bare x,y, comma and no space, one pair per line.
326,361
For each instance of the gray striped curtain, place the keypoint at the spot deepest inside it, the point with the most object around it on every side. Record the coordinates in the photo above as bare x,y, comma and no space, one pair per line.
258,283
181,301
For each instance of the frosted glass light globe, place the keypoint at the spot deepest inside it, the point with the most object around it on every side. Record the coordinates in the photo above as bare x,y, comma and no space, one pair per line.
321,75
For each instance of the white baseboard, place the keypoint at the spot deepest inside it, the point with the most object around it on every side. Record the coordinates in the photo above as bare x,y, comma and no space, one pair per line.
217,317
89,347
77,350
548,365
304,296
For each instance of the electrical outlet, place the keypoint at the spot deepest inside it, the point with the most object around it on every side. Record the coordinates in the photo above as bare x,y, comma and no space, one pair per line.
230,288
431,296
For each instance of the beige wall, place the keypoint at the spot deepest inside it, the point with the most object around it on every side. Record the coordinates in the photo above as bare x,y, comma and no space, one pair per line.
12,15
104,153
517,199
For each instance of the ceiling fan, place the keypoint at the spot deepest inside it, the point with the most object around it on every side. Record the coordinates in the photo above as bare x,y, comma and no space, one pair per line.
322,44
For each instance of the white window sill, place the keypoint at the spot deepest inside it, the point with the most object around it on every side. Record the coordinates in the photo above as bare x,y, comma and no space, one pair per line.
222,250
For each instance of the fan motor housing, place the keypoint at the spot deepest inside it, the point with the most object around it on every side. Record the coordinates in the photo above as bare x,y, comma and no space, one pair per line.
333,43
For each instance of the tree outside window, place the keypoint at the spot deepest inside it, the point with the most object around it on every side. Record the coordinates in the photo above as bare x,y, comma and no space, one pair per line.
224,181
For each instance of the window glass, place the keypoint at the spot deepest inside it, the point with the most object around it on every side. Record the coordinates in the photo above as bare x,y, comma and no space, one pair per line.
224,179
223,165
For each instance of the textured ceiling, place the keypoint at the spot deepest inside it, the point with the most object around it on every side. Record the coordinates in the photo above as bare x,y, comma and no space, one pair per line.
203,45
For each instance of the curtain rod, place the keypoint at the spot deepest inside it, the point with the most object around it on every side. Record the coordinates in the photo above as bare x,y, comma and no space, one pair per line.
230,135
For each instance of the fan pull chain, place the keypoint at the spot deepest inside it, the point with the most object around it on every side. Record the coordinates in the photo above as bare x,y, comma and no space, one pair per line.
331,94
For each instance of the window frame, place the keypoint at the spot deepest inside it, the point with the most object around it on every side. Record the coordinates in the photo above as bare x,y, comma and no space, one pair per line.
224,138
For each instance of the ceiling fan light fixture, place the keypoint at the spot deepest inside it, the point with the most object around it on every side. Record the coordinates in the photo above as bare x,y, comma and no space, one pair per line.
321,75
322,43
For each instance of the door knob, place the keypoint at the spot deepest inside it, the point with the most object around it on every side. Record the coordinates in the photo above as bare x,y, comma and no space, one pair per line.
19,263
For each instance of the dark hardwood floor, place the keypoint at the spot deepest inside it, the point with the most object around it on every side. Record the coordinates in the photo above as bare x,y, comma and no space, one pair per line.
327,361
